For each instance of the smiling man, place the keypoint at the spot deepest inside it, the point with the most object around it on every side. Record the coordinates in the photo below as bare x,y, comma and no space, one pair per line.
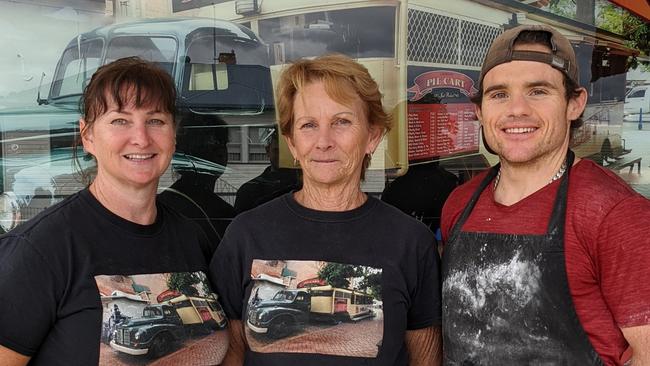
544,252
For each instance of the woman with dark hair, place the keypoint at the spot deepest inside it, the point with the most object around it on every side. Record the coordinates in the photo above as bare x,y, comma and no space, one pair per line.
327,275
113,241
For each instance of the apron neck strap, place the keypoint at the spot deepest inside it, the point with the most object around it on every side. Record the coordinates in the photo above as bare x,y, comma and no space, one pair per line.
555,224
472,202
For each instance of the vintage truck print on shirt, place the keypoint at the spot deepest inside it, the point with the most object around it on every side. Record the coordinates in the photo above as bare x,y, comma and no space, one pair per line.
315,307
166,317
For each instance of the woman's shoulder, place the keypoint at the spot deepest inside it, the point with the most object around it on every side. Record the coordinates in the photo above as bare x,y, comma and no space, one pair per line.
276,206
390,212
392,218
45,232
54,219
273,210
172,215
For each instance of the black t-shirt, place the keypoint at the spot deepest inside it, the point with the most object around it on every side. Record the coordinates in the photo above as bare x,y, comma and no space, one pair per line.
325,288
70,277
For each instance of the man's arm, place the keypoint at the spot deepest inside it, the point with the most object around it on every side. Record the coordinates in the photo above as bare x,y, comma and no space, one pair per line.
12,358
623,257
424,346
236,346
639,340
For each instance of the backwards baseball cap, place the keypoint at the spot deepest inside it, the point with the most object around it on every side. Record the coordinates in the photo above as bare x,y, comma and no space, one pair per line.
502,50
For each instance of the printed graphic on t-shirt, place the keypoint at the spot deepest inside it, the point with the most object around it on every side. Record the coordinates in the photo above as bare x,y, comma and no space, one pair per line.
161,319
315,307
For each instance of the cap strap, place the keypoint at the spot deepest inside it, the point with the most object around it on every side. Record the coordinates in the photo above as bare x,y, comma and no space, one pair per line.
547,58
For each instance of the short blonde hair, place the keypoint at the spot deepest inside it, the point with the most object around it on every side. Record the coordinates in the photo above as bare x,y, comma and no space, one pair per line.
343,79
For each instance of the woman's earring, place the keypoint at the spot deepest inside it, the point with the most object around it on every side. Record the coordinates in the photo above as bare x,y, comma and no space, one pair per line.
295,162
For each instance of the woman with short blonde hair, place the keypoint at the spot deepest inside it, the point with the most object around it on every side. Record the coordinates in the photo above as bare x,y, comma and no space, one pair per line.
328,275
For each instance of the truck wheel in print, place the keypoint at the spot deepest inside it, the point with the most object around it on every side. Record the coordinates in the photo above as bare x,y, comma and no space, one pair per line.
342,317
281,327
160,345
212,325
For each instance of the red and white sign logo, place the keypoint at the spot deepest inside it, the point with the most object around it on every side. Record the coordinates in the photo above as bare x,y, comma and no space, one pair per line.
428,81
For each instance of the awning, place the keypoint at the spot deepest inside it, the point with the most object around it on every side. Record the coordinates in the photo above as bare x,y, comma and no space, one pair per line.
638,7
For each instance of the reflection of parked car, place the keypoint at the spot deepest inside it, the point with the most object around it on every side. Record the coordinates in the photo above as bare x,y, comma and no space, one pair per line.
220,69
637,101
42,181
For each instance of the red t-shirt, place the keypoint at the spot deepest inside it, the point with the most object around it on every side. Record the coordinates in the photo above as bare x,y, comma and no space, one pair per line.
607,246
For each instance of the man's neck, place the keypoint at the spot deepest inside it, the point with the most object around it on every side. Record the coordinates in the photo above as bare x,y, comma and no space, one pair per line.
518,181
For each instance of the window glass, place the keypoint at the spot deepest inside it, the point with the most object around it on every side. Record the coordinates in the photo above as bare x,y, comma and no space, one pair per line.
361,32
226,73
151,312
425,56
160,50
284,296
78,63
637,94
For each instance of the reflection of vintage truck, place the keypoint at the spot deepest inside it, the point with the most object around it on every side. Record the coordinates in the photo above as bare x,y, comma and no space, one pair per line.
162,325
223,80
289,310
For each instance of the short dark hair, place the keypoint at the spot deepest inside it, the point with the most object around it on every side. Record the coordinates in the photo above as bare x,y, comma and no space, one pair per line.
129,80
528,37
125,81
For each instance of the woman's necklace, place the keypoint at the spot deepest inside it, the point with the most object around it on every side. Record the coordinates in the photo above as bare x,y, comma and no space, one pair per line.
555,177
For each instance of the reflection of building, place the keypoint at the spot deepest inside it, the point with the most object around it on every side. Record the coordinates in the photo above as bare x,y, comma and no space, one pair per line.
143,287
265,287
125,285
637,77
131,297
272,268
289,273
305,269
121,9
33,34
132,293
130,305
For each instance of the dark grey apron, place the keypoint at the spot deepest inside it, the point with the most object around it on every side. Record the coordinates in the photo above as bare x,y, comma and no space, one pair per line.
506,297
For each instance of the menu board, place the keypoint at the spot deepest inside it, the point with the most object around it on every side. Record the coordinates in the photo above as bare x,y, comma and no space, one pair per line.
441,119
437,130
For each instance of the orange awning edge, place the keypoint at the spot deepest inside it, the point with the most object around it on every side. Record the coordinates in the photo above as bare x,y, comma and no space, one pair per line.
640,8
